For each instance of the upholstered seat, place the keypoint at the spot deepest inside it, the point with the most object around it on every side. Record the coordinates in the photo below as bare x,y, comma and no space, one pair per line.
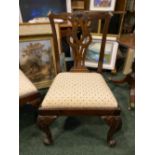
26,87
79,90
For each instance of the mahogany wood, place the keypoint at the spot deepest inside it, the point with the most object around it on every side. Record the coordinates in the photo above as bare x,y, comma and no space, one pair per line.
43,123
80,22
79,38
115,123
33,98
120,5
76,112
127,40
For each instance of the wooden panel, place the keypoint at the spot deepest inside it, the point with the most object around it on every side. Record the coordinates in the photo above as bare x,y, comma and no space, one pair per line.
77,4
86,4
120,5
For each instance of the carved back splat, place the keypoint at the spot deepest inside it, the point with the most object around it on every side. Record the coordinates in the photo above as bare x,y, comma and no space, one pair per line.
79,39
79,36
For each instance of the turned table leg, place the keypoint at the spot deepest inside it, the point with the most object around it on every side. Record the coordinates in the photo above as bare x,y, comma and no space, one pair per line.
114,123
43,123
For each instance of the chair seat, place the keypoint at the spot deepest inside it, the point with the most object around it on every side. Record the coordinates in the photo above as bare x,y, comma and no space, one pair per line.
79,91
26,87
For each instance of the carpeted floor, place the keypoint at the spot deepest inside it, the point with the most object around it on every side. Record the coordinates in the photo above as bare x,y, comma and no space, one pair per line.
79,135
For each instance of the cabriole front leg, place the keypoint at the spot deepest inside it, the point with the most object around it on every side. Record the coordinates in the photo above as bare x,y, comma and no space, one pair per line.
115,124
43,123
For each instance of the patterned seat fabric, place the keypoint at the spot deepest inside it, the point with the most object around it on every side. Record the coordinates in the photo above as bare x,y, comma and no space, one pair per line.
79,90
26,87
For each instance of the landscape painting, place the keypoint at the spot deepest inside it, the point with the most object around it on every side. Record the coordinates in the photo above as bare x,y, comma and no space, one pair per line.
36,60
92,55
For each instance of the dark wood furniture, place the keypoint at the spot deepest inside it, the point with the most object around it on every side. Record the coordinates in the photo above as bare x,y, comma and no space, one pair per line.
34,99
117,19
128,41
79,38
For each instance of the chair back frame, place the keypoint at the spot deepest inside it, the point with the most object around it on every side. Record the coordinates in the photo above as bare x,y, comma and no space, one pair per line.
79,36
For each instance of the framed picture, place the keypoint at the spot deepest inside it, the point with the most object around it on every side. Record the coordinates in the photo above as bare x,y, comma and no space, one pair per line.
92,55
102,5
40,8
37,60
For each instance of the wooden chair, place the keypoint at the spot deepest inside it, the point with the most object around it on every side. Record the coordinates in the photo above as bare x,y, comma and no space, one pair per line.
79,92
28,93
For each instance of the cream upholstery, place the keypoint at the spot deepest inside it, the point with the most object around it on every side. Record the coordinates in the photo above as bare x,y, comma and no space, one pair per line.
79,90
25,85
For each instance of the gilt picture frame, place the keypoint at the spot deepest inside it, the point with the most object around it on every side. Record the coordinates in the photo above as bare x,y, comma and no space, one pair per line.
37,60
92,55
102,5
